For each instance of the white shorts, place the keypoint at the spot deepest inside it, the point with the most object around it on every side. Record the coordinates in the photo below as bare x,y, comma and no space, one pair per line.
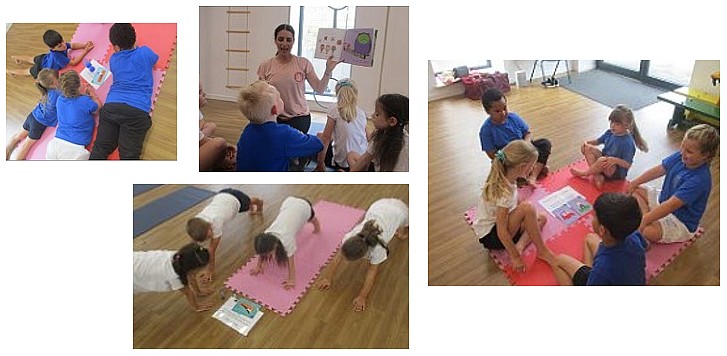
59,149
673,230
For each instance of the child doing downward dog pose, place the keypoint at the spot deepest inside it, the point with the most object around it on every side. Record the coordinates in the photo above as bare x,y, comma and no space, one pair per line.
389,146
619,146
370,239
672,213
278,241
502,223
44,115
345,130
206,227
162,271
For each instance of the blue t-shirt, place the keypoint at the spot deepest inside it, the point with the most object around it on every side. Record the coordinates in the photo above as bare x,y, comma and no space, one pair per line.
57,59
75,119
619,146
692,186
133,77
620,265
46,113
494,137
268,147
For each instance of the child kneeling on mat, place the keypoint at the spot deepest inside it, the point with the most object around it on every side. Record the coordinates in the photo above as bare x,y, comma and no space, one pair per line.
206,227
278,241
616,254
501,222
183,270
371,238
672,213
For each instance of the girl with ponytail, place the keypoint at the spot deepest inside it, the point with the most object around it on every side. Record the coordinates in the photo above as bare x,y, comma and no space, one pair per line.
501,222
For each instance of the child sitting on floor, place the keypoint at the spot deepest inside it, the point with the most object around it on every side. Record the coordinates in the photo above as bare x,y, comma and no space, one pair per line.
278,241
619,146
184,270
265,145
57,58
43,116
502,127
672,213
206,227
501,222
76,109
615,254
389,145
345,129
371,239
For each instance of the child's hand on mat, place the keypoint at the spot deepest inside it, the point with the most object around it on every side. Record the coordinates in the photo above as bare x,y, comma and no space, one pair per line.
359,304
289,284
256,270
88,47
324,284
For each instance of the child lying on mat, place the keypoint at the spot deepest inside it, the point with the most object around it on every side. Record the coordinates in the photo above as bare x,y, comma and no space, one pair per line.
502,223
371,238
265,145
615,254
206,227
43,115
184,270
76,108
57,58
619,146
672,213
278,241
502,127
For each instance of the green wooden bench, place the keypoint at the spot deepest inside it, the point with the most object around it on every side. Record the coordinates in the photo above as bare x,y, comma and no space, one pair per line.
709,111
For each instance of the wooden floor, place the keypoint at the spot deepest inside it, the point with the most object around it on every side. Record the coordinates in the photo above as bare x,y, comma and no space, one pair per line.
458,169
22,95
320,320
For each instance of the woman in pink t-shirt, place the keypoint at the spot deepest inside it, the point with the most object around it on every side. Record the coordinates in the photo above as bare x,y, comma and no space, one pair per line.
288,74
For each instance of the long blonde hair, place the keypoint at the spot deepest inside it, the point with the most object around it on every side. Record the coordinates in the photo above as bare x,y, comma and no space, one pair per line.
347,94
515,153
70,84
46,80
624,116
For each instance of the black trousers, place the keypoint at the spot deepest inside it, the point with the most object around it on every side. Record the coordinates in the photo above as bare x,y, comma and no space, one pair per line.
122,126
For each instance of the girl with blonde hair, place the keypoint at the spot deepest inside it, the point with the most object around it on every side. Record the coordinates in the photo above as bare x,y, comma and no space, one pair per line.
503,223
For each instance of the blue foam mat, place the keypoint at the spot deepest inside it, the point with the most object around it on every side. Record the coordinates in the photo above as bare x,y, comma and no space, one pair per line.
143,188
166,207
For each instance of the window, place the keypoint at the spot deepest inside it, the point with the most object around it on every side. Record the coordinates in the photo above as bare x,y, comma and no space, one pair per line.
307,20
441,66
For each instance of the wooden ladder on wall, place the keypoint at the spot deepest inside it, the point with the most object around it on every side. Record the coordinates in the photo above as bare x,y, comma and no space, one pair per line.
238,31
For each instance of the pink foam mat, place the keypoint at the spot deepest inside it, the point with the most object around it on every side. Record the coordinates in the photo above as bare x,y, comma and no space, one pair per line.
37,152
160,37
569,239
312,254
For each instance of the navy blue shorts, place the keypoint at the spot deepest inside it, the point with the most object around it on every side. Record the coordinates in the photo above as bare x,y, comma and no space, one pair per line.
34,127
580,278
241,197
37,65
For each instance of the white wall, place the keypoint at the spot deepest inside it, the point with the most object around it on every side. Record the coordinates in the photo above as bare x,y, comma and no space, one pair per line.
701,79
390,73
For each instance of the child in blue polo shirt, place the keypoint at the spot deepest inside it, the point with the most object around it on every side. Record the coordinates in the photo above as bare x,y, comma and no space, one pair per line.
616,254
125,119
75,120
672,213
502,127
57,58
265,145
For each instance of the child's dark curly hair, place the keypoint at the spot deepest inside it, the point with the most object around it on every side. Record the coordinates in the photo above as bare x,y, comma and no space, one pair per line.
390,141
52,38
188,258
122,35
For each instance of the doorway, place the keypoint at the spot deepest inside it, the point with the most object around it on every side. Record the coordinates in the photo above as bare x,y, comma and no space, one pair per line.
665,74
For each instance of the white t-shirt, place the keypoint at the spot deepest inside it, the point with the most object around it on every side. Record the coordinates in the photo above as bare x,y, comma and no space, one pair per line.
153,272
348,136
487,212
389,214
293,214
201,135
402,163
224,207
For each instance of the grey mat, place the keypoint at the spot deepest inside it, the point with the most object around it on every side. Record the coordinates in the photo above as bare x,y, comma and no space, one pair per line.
612,89
143,188
166,207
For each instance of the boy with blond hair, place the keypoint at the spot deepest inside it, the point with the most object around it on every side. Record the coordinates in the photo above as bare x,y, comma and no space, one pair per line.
265,145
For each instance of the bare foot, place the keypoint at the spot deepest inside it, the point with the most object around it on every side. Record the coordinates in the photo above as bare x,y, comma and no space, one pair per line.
17,60
402,233
598,179
11,73
578,172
